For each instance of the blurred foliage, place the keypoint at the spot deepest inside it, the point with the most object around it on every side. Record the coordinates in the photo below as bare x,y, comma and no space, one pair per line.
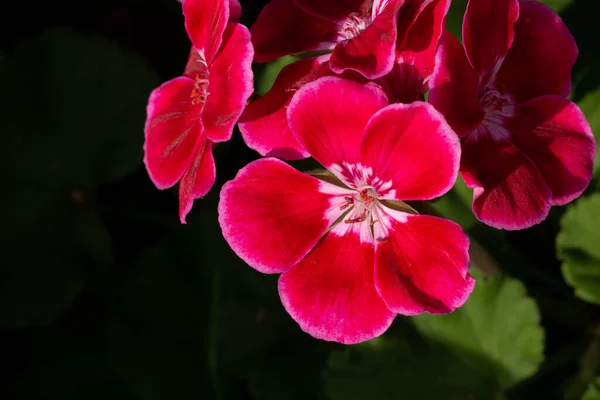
103,294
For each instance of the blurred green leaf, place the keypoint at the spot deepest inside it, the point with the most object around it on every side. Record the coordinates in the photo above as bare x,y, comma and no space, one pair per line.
265,79
593,391
72,115
590,105
456,205
577,247
454,18
557,5
499,322
492,342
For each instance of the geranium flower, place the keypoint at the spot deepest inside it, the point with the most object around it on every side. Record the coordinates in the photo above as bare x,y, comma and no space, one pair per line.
352,255
360,33
187,114
420,26
526,147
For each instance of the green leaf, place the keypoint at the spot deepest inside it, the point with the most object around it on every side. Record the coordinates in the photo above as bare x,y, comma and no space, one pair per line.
456,205
500,323
577,247
268,74
492,342
593,391
557,5
590,105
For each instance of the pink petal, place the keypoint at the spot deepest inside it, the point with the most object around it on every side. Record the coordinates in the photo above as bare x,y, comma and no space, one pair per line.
331,9
554,133
331,292
197,179
488,31
264,125
542,55
328,117
172,131
372,52
282,28
510,191
272,215
423,265
205,22
422,40
414,148
235,10
230,85
453,87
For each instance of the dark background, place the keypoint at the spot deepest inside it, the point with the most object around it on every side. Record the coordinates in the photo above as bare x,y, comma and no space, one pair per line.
104,295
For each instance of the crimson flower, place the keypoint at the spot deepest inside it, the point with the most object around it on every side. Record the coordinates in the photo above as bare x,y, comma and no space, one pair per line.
352,255
525,146
360,33
187,114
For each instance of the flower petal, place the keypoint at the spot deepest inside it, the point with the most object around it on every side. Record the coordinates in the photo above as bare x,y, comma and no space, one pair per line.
264,125
372,52
331,292
411,146
205,22
198,179
510,192
335,10
230,83
172,131
488,31
554,134
422,40
453,87
282,28
541,57
328,117
422,266
272,215
235,10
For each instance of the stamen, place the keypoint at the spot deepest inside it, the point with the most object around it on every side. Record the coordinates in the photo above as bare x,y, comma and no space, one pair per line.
200,90
349,202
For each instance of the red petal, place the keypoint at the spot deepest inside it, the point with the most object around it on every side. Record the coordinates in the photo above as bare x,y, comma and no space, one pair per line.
331,9
372,52
264,123
406,17
422,40
510,192
331,292
404,84
235,10
554,133
205,22
172,131
282,28
414,148
231,83
488,31
542,55
272,215
423,265
197,179
454,90
328,117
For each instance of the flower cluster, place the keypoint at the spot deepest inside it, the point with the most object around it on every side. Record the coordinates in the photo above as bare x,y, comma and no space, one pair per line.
351,252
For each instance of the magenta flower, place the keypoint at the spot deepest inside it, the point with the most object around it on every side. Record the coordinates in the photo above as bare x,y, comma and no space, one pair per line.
360,33
420,26
526,147
351,255
187,114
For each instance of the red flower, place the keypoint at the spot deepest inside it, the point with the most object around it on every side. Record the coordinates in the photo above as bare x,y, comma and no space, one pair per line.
349,259
420,26
361,33
525,147
187,114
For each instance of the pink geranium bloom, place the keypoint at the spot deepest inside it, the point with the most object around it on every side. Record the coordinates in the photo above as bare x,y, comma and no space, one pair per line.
351,255
420,26
525,147
187,114
361,34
